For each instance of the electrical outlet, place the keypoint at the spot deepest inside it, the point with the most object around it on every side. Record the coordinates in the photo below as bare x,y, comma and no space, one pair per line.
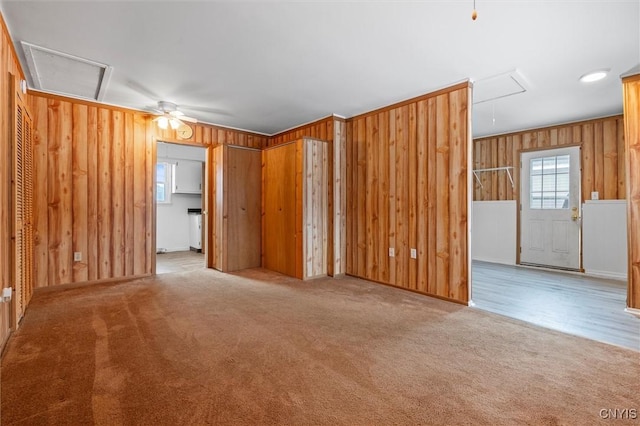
414,253
77,256
392,252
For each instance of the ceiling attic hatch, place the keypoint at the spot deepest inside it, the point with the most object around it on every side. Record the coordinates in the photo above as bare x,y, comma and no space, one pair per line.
65,74
498,86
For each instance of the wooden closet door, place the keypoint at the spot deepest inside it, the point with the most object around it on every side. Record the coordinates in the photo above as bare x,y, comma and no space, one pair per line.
21,207
282,208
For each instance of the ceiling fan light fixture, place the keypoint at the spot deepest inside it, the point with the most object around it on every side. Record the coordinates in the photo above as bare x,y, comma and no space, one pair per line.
163,122
174,123
594,76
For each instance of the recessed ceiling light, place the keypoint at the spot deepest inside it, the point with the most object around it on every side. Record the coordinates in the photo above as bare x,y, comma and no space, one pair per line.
592,76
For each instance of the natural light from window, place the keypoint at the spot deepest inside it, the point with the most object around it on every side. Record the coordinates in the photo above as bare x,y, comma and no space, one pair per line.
549,182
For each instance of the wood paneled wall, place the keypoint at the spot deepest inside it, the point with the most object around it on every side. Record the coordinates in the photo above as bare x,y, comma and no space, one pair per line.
315,207
322,129
94,180
331,129
602,158
631,89
408,185
9,69
94,186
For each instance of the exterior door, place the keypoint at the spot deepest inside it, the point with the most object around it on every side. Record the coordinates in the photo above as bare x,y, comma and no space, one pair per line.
550,208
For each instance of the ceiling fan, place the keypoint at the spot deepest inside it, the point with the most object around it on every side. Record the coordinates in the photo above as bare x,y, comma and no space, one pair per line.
170,116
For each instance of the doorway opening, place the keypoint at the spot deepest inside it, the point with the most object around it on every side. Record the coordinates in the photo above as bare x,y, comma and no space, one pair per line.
550,225
180,189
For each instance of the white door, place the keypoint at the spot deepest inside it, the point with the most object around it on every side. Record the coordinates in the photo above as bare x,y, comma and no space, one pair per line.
550,208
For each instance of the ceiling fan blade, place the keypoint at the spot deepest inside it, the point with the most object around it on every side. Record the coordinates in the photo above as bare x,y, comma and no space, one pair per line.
204,109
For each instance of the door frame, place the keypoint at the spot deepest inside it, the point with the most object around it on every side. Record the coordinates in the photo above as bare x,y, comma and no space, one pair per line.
519,199
206,200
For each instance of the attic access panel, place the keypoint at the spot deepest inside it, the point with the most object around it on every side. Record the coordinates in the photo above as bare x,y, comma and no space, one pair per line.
498,86
58,72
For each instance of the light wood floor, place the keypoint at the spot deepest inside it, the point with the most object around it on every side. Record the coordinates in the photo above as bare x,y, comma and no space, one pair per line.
179,261
572,303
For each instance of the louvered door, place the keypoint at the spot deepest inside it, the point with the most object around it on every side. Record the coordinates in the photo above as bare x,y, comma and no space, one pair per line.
21,209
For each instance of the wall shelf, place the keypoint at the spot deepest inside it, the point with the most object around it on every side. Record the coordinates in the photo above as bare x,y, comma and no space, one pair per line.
494,169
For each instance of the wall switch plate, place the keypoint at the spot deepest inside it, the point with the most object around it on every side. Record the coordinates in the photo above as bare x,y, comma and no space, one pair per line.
6,294
392,252
77,256
595,195
414,253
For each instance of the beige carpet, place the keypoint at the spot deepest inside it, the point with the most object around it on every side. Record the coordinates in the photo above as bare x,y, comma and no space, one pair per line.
202,347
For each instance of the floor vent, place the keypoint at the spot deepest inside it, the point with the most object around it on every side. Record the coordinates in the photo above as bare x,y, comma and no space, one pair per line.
65,74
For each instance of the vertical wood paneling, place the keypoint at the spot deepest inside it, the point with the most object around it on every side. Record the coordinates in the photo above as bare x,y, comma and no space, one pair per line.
40,118
588,159
458,201
407,181
432,190
622,161
95,185
60,183
350,202
92,194
104,196
81,188
610,161
217,250
298,211
338,246
422,196
631,90
402,196
117,194
361,223
393,195
442,165
140,199
371,198
413,194
129,161
602,157
383,199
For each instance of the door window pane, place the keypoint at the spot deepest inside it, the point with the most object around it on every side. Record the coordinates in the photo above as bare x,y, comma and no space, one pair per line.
549,182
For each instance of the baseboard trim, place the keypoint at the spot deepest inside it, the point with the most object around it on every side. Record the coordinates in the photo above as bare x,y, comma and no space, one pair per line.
633,311
498,261
605,274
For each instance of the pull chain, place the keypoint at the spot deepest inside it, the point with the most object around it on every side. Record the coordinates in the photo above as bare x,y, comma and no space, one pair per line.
474,14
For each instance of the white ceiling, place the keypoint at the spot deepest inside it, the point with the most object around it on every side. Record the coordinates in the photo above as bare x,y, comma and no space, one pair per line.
267,65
